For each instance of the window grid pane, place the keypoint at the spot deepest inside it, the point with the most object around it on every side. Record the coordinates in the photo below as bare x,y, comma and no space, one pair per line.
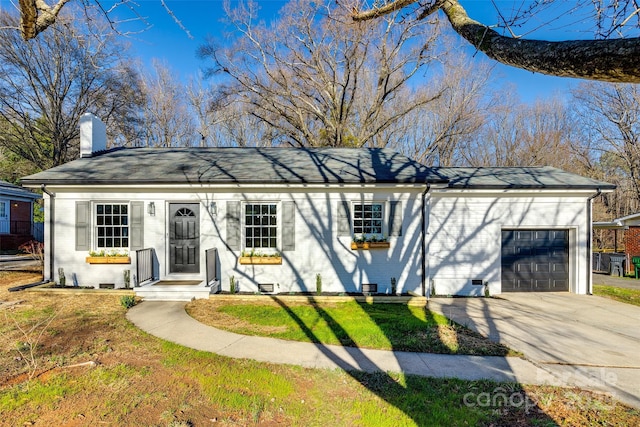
261,225
367,218
112,226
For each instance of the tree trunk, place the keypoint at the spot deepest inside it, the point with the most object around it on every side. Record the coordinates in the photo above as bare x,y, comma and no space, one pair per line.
603,60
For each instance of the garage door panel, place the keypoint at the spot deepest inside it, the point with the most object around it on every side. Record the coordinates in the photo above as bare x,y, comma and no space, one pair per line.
542,284
560,285
524,251
524,267
542,237
560,268
535,260
542,268
538,252
508,251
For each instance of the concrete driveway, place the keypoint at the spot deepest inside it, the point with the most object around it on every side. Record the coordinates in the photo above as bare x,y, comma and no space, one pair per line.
587,341
620,282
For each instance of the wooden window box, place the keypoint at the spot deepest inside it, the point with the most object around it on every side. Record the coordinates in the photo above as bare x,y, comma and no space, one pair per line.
370,245
263,260
108,260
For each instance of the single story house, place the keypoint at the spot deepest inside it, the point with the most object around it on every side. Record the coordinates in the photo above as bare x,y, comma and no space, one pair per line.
282,219
16,216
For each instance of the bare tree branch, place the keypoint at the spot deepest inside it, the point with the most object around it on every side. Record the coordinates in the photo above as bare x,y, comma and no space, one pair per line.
611,60
322,81
37,15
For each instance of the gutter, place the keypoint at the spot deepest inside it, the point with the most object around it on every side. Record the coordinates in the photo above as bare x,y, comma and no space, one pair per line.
52,197
30,285
589,238
423,242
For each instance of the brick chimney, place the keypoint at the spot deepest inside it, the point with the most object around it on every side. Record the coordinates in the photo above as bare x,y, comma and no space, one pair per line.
93,135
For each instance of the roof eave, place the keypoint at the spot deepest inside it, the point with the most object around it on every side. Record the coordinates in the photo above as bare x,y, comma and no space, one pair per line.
602,188
37,183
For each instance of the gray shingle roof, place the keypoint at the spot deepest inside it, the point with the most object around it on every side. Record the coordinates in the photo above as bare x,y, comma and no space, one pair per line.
239,165
135,166
545,177
12,190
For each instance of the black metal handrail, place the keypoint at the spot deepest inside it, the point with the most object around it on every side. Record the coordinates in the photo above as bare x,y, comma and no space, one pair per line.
211,256
144,265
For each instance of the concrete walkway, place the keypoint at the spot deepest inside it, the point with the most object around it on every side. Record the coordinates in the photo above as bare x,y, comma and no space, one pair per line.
18,262
169,321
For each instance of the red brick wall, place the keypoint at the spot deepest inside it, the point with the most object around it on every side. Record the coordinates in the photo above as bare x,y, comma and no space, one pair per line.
632,243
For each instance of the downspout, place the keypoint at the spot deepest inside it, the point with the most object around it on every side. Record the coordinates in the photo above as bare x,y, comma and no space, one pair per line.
52,197
423,243
589,238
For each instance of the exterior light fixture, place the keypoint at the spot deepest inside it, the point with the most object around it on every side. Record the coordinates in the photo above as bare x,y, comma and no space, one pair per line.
151,209
213,208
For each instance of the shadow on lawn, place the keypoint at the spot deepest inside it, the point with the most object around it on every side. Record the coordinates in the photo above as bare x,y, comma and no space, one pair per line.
324,216
427,401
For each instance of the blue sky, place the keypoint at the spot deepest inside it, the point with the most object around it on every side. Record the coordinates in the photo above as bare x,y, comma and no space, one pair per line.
165,40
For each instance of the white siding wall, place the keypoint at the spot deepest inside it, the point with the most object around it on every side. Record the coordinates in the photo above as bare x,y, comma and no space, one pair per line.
318,248
464,235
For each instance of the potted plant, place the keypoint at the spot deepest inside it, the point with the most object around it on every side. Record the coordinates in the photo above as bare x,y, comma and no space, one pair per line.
372,242
255,257
108,257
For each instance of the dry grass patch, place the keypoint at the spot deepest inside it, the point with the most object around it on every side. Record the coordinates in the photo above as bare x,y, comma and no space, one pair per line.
139,380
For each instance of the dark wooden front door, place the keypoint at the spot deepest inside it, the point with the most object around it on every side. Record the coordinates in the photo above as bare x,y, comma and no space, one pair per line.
184,238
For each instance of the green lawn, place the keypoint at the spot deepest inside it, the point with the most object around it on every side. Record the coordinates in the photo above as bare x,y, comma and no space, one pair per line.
379,326
140,380
629,296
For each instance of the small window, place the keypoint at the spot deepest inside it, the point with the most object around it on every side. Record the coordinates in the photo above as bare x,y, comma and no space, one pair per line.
261,225
3,209
112,225
367,219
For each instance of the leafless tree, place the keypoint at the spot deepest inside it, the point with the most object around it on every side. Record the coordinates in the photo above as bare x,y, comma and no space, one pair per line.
38,15
520,134
318,80
236,126
203,104
47,84
434,133
610,119
168,119
605,59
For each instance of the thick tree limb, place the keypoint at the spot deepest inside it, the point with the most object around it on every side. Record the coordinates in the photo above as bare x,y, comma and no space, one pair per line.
36,16
603,60
383,10
612,60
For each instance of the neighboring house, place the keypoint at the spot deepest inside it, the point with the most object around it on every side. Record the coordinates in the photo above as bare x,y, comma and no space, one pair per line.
451,230
16,216
630,226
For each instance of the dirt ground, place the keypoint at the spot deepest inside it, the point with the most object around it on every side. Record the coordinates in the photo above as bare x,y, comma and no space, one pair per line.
90,331
91,367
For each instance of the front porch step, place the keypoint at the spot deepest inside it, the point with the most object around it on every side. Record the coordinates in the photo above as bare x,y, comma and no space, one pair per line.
157,291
